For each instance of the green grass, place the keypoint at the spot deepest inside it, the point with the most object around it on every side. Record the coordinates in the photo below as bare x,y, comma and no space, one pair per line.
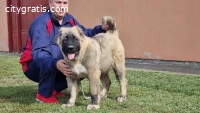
148,92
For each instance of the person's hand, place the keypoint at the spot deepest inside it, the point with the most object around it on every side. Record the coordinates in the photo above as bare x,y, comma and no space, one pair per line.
65,69
105,27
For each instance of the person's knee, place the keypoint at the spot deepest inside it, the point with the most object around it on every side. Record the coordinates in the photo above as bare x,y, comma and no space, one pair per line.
45,65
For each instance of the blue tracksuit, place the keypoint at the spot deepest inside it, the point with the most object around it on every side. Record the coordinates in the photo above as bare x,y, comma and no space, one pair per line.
41,52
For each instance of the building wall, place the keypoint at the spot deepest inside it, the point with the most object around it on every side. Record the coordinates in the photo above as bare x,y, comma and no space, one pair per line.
149,29
3,27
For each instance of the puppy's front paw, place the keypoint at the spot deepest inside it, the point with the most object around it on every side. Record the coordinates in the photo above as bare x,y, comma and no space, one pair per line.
67,105
90,107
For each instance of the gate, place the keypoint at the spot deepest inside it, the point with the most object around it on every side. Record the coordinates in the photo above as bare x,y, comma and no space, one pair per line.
19,20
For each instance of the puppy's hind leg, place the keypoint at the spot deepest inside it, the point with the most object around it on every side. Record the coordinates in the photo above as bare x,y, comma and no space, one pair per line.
106,84
119,69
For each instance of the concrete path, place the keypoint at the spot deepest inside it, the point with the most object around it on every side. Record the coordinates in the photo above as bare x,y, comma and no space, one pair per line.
168,66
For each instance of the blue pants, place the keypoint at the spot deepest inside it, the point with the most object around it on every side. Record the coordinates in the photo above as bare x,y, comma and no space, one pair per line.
47,81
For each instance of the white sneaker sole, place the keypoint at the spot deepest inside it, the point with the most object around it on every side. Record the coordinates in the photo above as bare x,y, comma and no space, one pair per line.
43,102
39,101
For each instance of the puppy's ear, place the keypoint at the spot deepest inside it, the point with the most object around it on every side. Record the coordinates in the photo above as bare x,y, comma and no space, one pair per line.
80,31
59,35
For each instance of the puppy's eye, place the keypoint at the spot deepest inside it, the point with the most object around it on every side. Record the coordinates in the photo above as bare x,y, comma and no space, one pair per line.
75,39
66,37
64,41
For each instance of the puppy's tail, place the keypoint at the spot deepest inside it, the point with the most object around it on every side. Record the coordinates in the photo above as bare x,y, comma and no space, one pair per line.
111,22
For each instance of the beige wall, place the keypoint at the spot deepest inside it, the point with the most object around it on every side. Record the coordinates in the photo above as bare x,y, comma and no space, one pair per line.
149,29
3,27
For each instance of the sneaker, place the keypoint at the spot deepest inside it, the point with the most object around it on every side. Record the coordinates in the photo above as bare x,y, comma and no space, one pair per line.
50,100
57,94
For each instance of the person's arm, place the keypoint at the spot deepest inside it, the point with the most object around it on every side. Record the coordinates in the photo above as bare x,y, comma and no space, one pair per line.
41,48
90,31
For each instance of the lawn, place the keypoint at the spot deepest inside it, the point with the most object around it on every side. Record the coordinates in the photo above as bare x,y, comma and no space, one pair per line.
148,92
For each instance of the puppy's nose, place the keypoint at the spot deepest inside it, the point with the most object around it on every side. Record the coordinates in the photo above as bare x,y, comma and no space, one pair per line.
70,47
